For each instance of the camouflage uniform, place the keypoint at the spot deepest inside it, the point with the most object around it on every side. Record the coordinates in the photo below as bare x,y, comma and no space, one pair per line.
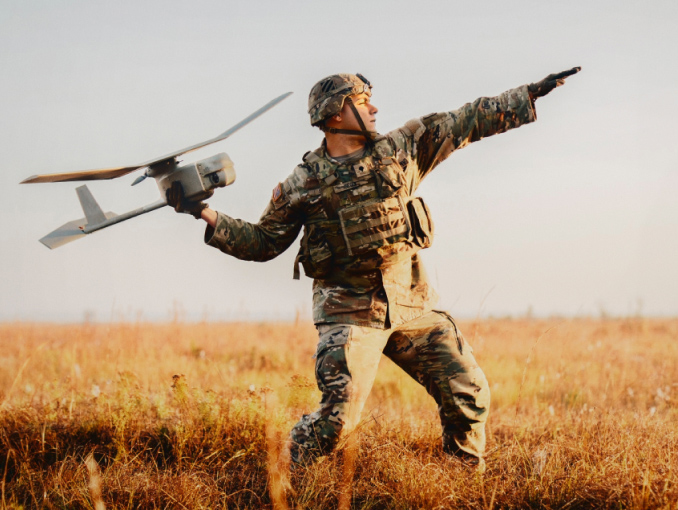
362,231
429,348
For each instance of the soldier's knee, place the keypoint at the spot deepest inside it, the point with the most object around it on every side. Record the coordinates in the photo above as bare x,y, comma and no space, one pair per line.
332,375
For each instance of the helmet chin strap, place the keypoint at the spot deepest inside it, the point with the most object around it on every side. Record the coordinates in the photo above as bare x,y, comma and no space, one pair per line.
369,135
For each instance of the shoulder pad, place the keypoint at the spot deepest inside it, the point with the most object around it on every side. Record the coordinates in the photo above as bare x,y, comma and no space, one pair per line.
299,176
414,128
293,186
318,165
302,178
296,179
311,157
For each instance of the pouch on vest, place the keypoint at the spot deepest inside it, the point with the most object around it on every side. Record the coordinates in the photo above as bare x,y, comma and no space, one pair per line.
390,178
375,223
314,254
389,173
422,224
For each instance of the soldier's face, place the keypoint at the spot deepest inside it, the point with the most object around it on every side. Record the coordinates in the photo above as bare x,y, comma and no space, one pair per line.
366,110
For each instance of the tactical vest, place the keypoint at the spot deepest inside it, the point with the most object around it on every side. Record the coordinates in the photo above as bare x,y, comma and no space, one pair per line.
368,217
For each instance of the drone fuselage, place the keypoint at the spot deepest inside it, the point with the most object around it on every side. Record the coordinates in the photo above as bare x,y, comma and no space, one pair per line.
198,179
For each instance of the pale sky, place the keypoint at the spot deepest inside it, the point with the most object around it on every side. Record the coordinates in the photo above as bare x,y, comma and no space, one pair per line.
575,214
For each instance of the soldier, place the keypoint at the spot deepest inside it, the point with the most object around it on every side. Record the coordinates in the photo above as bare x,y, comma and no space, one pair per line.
363,228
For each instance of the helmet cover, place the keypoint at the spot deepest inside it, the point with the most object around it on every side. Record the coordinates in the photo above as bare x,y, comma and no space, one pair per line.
328,95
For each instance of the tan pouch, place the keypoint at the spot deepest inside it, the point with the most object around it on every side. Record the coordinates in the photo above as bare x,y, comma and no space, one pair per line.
373,224
422,223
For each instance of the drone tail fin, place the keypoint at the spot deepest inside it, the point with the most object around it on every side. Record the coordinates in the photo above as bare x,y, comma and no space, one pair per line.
90,207
73,230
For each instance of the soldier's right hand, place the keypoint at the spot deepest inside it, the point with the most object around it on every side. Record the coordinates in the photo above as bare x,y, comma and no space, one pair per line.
176,199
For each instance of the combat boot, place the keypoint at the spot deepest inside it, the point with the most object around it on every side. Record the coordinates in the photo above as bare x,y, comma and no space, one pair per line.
466,462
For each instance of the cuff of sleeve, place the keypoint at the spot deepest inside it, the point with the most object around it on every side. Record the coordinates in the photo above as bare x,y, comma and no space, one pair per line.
523,104
209,234
214,235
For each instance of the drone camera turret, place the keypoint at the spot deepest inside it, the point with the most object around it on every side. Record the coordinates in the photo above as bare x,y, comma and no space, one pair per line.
199,179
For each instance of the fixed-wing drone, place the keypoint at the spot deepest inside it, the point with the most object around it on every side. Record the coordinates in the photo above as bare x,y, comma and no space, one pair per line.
198,180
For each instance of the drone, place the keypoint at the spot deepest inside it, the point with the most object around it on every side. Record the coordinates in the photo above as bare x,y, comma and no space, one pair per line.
198,180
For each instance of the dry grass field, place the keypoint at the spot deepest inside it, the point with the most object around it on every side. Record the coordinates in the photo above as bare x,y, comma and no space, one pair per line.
584,415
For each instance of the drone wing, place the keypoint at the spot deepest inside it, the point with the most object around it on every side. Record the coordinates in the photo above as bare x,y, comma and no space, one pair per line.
223,135
83,175
112,173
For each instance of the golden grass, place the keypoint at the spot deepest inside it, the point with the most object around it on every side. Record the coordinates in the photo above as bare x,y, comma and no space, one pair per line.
583,416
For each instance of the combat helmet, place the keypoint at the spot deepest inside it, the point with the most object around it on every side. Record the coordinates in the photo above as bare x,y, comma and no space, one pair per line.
327,98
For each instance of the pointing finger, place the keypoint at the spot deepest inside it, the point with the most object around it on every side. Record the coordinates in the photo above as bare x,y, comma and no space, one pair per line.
565,74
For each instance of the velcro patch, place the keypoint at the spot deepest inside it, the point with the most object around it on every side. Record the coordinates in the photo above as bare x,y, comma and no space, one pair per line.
348,185
361,169
277,192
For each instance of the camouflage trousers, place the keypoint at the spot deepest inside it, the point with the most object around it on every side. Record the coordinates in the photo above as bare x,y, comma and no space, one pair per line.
430,349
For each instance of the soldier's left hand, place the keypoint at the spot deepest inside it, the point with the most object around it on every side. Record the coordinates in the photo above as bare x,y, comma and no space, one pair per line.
543,87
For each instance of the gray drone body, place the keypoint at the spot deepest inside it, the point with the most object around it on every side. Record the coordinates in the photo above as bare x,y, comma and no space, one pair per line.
199,180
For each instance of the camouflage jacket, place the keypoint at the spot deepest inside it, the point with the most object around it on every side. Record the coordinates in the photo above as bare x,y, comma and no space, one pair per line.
381,284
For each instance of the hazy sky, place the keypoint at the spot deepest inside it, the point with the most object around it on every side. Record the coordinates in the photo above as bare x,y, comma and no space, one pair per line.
573,214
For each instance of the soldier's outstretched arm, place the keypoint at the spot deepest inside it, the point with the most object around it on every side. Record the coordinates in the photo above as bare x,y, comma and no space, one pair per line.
429,140
277,229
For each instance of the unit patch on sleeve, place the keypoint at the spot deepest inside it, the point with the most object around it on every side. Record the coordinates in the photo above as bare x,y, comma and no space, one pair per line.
277,192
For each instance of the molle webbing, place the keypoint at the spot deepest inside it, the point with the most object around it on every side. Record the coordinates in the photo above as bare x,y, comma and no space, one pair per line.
374,222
